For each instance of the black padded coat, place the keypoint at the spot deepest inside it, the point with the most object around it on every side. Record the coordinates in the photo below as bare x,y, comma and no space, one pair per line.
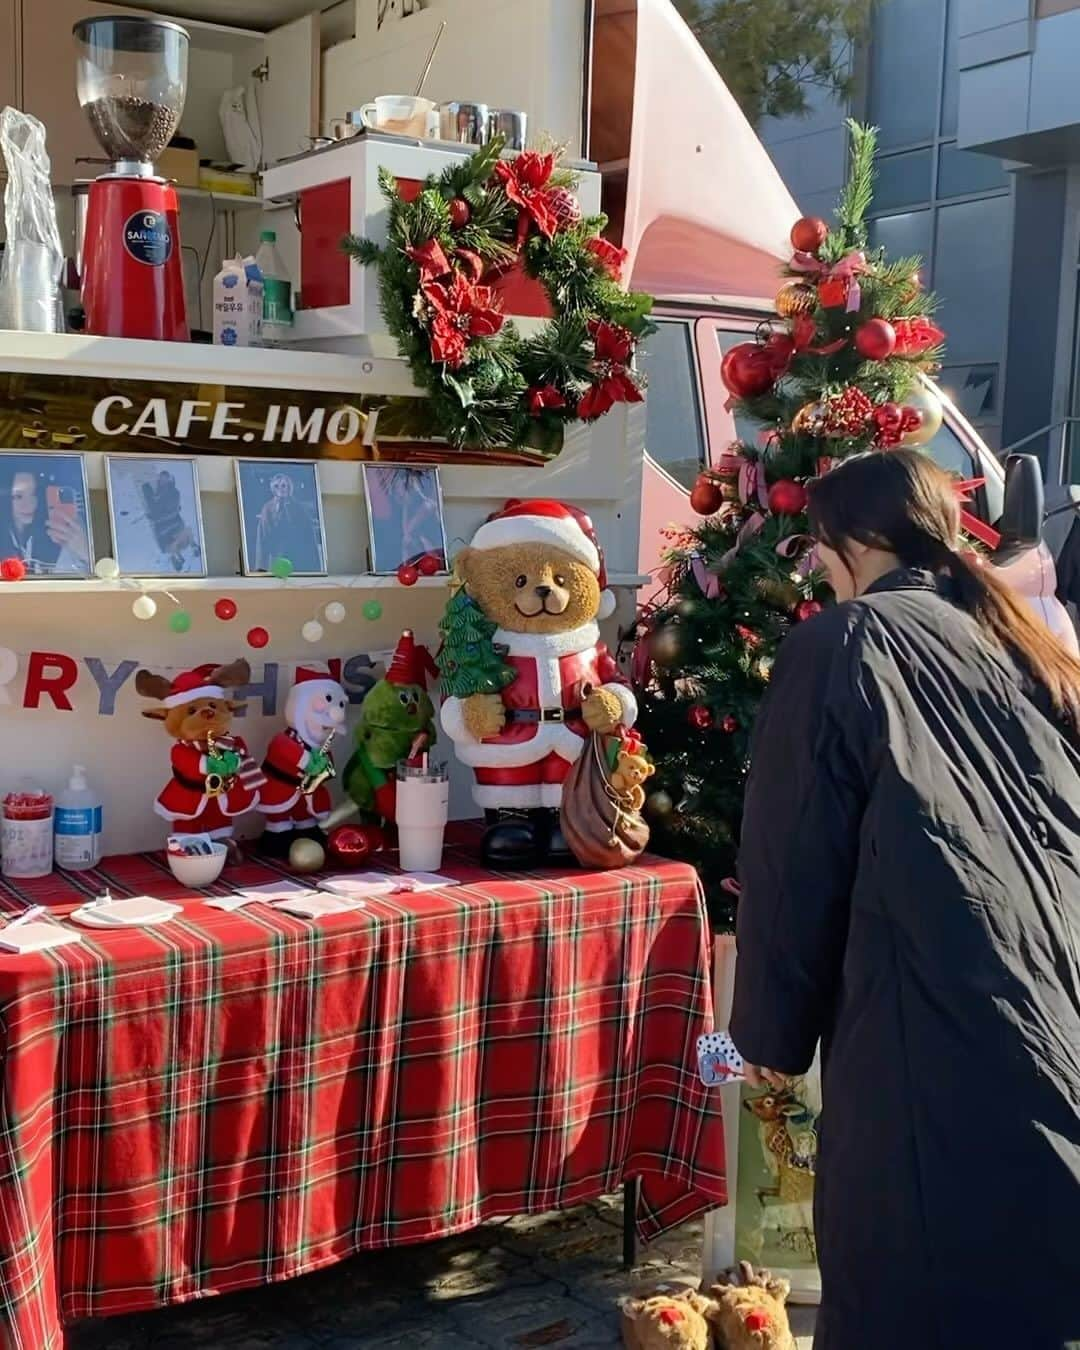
910,870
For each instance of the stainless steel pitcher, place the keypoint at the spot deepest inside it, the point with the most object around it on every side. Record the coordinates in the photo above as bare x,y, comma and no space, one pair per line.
463,123
510,123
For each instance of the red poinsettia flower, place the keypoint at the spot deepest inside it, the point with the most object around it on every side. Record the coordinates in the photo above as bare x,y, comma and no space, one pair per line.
613,382
462,311
431,259
524,181
608,255
915,336
545,396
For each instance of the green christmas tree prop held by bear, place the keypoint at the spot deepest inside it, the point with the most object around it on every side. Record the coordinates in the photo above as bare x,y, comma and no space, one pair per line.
470,662
841,373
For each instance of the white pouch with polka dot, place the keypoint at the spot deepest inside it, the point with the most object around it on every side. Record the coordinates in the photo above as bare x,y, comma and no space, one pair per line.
718,1060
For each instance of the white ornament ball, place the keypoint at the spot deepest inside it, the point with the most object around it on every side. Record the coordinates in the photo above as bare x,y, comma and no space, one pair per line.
108,569
306,855
312,631
334,612
145,607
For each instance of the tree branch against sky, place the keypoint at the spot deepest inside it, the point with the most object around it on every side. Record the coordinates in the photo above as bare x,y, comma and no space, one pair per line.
771,53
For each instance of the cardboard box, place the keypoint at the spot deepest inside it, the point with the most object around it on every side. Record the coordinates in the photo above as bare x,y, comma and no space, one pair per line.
182,166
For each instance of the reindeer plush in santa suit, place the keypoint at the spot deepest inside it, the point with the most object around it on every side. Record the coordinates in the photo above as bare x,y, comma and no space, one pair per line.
299,764
214,779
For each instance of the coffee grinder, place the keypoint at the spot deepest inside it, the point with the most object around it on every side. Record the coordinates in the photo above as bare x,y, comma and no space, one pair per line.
131,79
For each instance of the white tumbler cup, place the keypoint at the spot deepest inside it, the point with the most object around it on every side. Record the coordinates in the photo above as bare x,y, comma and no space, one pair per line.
423,807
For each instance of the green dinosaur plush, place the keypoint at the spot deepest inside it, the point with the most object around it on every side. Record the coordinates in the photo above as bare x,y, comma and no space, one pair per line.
397,721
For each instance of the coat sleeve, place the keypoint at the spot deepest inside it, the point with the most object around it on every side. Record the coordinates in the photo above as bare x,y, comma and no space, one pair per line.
800,842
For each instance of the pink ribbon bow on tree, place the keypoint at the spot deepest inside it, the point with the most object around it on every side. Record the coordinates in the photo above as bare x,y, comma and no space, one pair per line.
846,271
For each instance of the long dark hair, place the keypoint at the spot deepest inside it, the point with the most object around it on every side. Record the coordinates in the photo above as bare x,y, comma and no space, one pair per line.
902,502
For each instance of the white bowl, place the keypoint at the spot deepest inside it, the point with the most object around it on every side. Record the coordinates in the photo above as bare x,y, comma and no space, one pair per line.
198,869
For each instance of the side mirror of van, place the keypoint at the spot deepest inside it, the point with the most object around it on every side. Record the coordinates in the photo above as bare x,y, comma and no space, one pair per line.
1021,523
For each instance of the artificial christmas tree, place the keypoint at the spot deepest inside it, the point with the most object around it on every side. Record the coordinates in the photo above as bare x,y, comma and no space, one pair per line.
840,373
469,662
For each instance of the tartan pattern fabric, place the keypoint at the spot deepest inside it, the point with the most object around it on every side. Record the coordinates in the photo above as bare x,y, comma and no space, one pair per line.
231,1099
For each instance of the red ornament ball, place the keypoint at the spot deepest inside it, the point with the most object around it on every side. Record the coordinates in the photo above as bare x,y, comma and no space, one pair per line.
460,213
12,569
351,845
876,340
806,609
257,637
808,234
225,609
428,565
787,498
781,349
408,574
706,498
748,370
730,724
700,717
564,206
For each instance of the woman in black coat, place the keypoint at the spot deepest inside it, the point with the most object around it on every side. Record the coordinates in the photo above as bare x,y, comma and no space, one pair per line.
910,868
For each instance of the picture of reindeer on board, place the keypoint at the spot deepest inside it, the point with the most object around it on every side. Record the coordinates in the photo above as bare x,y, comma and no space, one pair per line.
778,1144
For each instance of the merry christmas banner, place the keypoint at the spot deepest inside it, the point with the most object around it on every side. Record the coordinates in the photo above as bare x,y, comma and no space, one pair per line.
56,680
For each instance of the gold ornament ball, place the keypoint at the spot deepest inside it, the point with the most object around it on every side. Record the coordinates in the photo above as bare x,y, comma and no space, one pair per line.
306,855
659,805
795,298
665,646
809,420
925,401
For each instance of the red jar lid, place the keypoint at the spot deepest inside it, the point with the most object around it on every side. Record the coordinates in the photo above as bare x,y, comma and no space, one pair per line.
28,806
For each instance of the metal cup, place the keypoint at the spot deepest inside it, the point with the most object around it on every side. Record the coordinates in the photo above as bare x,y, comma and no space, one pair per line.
463,123
510,123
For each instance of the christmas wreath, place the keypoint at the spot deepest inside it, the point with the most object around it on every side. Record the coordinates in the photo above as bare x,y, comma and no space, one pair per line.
487,384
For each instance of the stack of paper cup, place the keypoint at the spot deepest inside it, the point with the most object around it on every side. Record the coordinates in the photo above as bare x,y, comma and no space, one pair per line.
423,806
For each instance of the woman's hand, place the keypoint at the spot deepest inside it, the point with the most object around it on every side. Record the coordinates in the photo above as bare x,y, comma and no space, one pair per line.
67,533
757,1075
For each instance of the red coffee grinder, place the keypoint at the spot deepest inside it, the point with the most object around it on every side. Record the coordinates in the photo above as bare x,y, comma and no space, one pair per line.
131,78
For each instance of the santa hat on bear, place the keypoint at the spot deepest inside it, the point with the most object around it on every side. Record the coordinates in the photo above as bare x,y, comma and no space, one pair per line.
543,521
192,684
310,683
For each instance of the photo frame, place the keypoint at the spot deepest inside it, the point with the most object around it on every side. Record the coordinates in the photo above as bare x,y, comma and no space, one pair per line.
45,513
281,516
155,515
405,516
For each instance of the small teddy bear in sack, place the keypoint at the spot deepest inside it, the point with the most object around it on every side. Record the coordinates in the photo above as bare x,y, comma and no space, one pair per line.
669,1319
749,1310
628,767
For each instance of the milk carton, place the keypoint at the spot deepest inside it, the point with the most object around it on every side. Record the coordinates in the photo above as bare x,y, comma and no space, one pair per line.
238,304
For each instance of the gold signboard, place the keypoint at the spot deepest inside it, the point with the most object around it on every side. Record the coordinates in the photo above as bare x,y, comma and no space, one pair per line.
75,412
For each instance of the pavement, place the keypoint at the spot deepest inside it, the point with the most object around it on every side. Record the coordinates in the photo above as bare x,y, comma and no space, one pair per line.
554,1280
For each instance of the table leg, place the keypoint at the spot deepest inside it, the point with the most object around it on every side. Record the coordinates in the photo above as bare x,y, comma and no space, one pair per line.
631,1193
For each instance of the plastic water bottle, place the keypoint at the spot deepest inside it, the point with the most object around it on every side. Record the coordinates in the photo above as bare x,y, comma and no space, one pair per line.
78,824
277,290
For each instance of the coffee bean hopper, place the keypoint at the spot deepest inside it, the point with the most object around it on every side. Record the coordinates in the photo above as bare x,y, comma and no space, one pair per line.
131,78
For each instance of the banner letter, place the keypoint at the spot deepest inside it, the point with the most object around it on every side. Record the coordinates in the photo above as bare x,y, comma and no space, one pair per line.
9,668
109,685
267,691
40,682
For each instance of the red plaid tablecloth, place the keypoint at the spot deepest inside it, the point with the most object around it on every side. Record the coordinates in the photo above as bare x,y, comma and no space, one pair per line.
235,1098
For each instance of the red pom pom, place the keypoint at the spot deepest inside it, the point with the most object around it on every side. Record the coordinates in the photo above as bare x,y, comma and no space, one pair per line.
808,234
460,213
787,498
12,569
408,575
257,637
730,724
428,565
700,717
876,340
225,609
748,370
352,845
670,1316
756,1320
806,609
706,497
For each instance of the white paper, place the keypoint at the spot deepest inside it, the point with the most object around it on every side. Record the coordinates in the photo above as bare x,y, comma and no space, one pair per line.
318,906
134,911
37,937
384,883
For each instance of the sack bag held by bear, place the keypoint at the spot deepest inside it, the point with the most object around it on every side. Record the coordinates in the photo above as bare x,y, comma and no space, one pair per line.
600,815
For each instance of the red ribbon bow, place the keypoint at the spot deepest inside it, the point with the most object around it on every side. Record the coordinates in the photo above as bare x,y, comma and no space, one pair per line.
846,271
978,529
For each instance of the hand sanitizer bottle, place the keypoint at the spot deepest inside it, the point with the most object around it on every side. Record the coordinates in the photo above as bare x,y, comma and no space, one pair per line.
78,825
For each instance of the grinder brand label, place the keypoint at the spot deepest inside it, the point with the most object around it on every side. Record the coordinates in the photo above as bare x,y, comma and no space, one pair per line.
147,237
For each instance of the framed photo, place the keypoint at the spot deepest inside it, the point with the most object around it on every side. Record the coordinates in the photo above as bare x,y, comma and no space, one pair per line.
405,516
281,515
45,513
155,515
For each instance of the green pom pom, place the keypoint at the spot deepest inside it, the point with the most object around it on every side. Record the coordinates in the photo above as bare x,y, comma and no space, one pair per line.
372,609
180,621
281,568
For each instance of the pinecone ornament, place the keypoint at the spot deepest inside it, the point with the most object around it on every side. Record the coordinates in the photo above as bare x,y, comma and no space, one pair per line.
795,298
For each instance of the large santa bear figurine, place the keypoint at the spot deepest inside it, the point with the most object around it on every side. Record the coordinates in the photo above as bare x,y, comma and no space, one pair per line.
299,763
535,570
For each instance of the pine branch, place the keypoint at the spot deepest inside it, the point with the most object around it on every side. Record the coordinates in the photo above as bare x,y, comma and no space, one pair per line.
858,193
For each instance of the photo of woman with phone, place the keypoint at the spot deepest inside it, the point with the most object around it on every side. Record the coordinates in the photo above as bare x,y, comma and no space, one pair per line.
44,519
